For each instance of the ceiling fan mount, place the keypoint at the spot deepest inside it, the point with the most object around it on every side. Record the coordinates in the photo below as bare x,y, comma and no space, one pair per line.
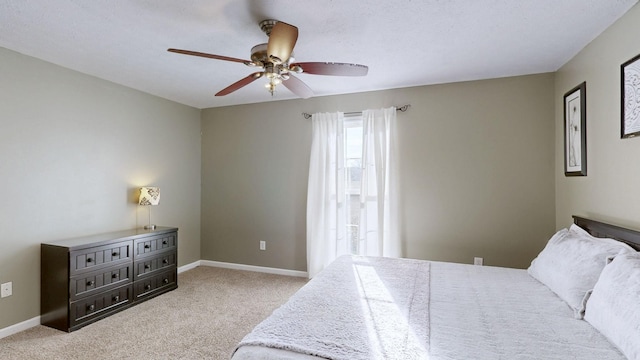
267,25
276,60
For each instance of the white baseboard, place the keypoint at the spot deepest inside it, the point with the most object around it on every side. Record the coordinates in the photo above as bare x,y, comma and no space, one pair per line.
261,269
14,329
187,267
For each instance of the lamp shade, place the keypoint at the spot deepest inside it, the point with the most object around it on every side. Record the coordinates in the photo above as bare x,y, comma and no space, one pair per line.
149,196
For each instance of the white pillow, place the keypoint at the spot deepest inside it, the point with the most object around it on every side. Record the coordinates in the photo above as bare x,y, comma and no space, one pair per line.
613,308
571,263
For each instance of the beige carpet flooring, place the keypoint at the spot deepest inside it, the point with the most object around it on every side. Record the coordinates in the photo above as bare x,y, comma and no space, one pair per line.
204,318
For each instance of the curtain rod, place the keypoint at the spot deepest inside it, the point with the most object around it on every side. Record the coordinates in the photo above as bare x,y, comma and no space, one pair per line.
402,108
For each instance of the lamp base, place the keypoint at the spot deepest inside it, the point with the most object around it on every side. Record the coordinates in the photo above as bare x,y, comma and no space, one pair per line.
149,227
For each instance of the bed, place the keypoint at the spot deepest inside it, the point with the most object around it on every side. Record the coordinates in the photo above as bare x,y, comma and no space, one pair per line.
578,300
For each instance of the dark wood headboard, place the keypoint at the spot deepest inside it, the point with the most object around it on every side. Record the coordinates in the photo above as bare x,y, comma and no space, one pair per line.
603,230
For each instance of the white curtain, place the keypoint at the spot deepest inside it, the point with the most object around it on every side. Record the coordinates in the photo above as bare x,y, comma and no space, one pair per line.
326,220
379,232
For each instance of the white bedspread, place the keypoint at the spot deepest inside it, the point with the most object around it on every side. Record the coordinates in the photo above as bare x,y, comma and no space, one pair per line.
484,312
382,312
411,309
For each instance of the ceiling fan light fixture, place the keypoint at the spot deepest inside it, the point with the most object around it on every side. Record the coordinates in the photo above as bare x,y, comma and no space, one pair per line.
271,85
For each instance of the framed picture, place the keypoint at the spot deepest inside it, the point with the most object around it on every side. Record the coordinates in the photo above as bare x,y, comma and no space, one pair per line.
630,106
575,131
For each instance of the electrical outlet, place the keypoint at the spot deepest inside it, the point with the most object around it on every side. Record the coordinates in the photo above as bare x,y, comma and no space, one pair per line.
7,289
477,261
263,245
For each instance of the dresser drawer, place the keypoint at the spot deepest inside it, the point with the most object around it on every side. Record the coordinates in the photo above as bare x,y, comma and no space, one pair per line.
152,265
100,305
93,282
153,285
92,258
154,245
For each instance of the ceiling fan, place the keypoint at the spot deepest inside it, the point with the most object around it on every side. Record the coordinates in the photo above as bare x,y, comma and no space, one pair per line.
276,61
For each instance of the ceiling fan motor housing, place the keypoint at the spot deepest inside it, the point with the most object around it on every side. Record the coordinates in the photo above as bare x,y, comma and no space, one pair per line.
259,54
260,58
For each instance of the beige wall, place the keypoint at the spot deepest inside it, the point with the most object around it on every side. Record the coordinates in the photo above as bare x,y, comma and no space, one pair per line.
476,160
255,160
73,149
610,190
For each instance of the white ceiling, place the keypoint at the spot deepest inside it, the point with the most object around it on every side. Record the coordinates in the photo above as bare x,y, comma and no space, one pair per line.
404,42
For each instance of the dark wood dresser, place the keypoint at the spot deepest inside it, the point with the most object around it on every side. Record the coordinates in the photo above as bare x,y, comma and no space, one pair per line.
89,278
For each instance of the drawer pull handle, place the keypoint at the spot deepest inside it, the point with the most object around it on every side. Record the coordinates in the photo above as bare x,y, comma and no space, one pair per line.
116,298
165,261
91,307
147,267
114,276
115,254
147,246
89,260
164,242
166,281
147,287
90,283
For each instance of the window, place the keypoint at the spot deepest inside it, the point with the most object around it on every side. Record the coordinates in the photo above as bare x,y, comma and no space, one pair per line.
353,178
350,204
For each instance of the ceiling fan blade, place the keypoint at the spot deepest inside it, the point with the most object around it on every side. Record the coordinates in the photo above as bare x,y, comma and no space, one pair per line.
238,84
281,42
330,68
298,87
210,56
